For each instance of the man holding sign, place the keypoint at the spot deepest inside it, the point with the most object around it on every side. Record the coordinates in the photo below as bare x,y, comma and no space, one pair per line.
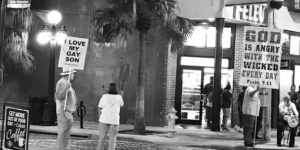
260,68
65,107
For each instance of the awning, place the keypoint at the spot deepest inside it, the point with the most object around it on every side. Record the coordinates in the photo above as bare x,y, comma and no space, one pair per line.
283,20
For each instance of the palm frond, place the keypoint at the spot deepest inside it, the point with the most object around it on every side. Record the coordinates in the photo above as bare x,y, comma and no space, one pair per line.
177,30
16,52
113,25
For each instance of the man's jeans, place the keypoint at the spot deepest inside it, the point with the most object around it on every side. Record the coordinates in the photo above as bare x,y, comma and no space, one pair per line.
112,130
226,115
64,123
249,123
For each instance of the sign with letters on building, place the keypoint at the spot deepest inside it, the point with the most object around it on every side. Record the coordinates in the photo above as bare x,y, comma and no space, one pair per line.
249,13
261,57
15,127
72,53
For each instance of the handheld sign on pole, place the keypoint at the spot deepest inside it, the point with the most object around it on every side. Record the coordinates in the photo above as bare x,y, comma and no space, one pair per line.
72,56
15,127
261,56
73,53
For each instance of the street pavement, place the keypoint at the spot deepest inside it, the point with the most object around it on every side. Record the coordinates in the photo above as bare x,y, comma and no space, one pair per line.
186,138
48,142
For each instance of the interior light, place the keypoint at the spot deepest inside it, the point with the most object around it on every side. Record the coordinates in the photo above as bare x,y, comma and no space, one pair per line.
211,19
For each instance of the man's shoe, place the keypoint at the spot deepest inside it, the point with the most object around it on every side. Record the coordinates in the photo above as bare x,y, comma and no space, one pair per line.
258,138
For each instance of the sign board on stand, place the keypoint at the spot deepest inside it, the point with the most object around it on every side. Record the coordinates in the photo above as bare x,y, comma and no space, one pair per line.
15,127
261,57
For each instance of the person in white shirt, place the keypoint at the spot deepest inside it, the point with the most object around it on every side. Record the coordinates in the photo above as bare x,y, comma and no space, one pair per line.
250,108
287,109
109,116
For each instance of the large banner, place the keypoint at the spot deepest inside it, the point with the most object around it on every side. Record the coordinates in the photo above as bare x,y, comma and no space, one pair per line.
261,57
72,53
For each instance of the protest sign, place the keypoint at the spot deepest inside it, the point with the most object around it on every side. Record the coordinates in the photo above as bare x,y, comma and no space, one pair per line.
261,56
15,127
72,53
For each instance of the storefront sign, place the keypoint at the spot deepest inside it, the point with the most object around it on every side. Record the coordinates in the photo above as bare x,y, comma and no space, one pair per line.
251,13
72,53
15,128
18,3
261,57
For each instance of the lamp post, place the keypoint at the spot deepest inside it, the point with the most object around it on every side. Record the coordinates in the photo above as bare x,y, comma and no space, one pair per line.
53,35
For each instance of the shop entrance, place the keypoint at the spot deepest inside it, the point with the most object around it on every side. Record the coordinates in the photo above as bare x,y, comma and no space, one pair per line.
190,101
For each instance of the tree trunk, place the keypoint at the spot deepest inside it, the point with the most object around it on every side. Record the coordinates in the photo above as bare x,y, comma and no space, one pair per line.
139,123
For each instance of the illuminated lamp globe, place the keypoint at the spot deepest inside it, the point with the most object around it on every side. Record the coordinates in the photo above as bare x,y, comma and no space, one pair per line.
60,37
44,37
54,17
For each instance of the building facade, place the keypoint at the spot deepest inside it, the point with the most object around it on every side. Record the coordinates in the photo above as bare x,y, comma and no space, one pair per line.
173,79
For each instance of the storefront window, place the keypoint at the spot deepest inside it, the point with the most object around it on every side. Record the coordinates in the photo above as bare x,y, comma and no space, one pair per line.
295,45
204,36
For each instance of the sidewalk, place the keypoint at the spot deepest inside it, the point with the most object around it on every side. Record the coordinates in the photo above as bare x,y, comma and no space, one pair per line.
190,137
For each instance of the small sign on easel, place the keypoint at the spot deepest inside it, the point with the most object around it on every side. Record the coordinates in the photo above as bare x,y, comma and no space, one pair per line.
15,127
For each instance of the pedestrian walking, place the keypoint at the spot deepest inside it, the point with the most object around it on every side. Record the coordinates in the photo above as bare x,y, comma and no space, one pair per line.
226,105
208,91
65,107
251,105
109,116
287,110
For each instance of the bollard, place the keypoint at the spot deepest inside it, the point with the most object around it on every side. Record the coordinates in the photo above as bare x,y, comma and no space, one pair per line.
171,117
81,112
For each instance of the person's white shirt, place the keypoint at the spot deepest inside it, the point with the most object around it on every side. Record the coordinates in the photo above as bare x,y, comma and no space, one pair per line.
251,104
110,112
284,109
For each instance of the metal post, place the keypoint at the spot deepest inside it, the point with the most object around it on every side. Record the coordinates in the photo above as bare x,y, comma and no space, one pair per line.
49,111
217,75
51,72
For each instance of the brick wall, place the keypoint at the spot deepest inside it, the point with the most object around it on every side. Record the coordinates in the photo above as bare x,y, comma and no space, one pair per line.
236,74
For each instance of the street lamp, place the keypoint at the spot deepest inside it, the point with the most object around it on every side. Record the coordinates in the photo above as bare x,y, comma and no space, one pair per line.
53,35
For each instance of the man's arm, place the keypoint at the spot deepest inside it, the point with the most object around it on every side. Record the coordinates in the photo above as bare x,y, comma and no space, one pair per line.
61,90
254,92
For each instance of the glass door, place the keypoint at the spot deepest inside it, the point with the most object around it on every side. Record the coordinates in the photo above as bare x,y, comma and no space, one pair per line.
191,100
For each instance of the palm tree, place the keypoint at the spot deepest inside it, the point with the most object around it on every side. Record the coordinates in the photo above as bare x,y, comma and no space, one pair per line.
122,18
15,28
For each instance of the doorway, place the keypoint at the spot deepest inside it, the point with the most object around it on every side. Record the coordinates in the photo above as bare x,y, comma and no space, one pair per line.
190,105
190,101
